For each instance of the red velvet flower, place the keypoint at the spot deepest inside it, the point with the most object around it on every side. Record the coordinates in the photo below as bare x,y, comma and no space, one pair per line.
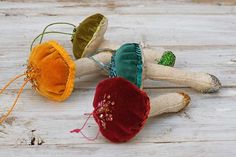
120,109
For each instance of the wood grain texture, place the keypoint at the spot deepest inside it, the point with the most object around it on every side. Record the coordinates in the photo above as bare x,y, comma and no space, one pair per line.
202,34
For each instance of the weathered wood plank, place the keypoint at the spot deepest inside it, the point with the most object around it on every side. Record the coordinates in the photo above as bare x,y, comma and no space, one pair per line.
210,117
120,7
203,36
154,30
193,149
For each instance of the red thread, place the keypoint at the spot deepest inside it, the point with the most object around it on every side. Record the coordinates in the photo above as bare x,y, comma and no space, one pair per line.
80,130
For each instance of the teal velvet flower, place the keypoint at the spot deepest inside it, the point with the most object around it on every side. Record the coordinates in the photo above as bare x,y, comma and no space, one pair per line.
127,62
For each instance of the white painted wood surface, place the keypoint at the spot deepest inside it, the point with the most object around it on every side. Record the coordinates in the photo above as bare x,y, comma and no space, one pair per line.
201,33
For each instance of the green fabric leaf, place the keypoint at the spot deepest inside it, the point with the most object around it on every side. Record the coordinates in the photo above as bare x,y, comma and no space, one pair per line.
167,59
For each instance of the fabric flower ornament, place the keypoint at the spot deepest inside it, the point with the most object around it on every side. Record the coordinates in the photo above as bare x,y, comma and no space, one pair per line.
121,109
129,61
88,35
51,72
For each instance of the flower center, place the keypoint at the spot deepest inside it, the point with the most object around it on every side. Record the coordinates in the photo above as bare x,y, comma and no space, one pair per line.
104,110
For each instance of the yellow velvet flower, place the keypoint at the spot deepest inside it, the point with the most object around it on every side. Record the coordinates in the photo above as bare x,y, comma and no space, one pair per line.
54,71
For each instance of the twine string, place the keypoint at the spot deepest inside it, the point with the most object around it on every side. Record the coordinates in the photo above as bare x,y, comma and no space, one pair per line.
50,32
52,24
105,67
80,130
4,117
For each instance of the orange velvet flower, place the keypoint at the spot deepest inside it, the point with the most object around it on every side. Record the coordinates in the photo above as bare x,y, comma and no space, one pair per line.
53,71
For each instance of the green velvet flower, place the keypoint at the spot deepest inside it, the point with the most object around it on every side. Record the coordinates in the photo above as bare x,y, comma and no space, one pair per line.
88,34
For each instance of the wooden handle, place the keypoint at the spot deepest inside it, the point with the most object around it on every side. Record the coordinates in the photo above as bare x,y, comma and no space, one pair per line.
168,103
202,82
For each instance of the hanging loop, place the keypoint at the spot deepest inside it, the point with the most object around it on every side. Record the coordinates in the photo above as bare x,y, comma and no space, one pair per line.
50,32
55,23
4,117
